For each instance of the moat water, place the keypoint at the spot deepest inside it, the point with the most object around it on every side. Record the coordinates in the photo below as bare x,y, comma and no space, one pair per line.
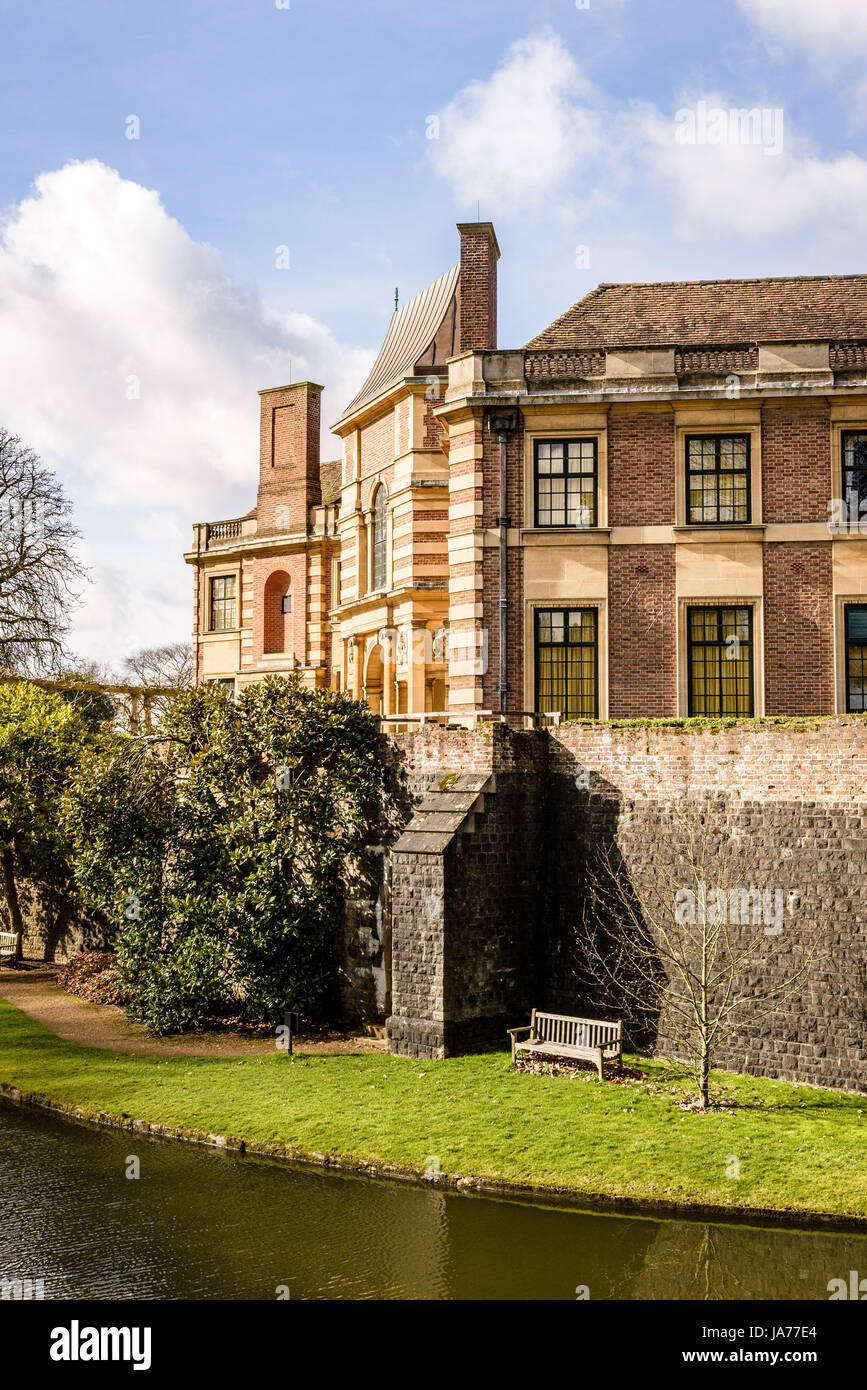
201,1224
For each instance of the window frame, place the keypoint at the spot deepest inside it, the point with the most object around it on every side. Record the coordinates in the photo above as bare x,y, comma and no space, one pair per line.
567,645
845,435
565,441
719,609
716,438
379,542
847,607
212,602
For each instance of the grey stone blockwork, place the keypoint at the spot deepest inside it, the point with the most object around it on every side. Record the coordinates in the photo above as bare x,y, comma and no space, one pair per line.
463,914
811,858
488,883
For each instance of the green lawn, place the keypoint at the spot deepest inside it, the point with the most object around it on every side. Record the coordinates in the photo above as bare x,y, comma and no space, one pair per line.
799,1149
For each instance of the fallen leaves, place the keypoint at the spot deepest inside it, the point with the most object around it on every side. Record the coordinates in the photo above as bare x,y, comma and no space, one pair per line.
539,1065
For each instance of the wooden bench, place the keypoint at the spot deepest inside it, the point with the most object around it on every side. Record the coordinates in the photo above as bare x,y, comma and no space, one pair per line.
558,1035
9,945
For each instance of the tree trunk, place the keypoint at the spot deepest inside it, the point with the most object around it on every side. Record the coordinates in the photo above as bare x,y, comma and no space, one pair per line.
704,1050
704,1077
10,886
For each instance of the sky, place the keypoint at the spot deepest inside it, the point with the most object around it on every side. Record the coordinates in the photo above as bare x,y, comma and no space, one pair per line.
200,199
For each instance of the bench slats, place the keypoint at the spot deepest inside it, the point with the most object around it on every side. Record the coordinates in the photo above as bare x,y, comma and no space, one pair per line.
9,945
574,1031
564,1036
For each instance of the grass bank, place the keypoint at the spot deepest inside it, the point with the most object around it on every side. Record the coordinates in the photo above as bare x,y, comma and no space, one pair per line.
797,1150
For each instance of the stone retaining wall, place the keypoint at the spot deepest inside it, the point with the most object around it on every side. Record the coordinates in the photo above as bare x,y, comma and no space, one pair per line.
789,799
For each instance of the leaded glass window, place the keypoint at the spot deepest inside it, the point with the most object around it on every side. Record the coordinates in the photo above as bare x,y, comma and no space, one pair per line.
379,539
720,660
566,662
856,657
718,479
855,474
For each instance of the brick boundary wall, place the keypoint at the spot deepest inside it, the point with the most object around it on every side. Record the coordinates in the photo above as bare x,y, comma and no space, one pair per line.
453,948
790,800
809,761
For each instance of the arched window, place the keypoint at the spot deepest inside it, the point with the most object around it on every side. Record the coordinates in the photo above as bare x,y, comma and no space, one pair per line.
278,613
379,534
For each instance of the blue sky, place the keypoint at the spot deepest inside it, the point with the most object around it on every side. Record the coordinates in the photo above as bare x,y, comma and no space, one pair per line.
307,127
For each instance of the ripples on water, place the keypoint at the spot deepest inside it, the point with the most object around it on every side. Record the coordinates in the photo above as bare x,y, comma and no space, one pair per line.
208,1225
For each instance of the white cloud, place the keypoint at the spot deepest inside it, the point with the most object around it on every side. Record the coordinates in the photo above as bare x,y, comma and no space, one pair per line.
512,139
833,29
518,136
746,190
102,295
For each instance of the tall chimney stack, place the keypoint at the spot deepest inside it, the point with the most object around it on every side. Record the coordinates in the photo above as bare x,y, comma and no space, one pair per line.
289,482
477,324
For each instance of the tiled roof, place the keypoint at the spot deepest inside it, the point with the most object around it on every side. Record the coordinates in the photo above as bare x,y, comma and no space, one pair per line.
798,308
410,333
330,475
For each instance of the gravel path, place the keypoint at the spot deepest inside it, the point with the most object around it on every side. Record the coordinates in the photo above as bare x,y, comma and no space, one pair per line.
34,991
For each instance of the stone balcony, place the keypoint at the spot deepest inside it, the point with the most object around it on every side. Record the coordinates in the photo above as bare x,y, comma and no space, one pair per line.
222,535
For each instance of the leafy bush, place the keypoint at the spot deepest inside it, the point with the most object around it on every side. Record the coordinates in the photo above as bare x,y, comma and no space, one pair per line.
218,850
42,740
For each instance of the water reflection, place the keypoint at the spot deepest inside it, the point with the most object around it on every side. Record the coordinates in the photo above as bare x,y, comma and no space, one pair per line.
201,1224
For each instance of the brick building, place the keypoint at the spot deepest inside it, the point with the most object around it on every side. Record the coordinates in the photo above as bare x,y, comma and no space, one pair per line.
653,509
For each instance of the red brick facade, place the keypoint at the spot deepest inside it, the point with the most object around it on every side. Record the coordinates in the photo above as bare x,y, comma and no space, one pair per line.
799,628
271,577
478,287
289,481
796,463
642,632
638,367
640,468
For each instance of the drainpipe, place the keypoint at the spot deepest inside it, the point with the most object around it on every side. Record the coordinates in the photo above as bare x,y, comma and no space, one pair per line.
503,425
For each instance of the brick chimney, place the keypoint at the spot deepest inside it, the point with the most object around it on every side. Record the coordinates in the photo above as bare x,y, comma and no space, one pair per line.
477,326
289,482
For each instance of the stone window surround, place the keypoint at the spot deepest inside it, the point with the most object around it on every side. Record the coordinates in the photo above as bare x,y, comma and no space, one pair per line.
222,573
841,424
566,427
529,621
708,424
720,601
840,671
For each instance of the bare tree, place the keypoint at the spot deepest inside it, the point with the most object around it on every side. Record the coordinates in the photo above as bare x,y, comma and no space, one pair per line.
169,667
40,575
682,950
